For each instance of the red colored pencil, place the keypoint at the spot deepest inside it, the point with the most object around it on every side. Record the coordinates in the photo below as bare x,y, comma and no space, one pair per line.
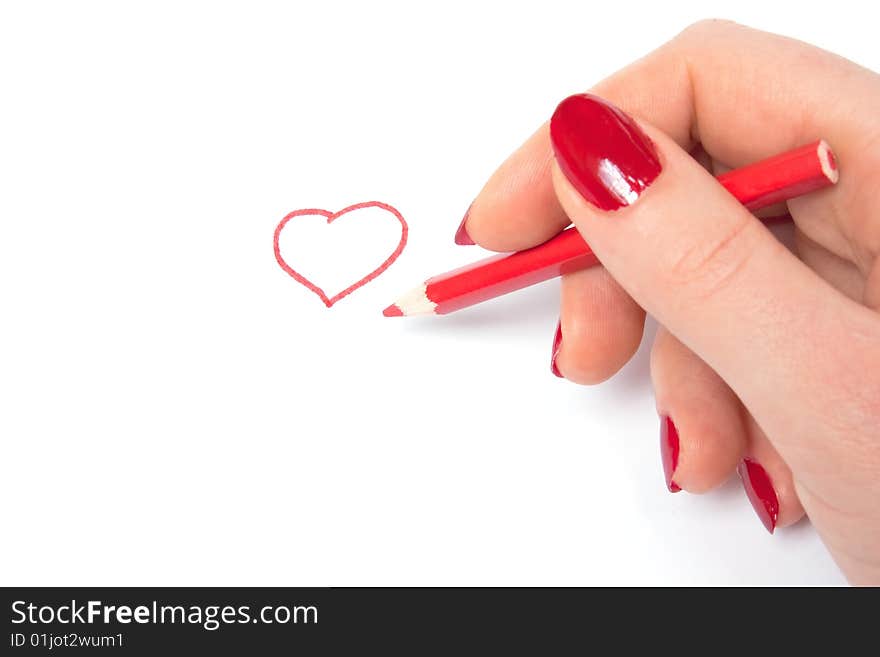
756,186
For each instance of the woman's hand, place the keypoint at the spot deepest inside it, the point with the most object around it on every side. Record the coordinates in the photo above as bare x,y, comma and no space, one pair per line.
767,362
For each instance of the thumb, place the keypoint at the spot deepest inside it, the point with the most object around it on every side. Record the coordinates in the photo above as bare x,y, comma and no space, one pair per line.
710,272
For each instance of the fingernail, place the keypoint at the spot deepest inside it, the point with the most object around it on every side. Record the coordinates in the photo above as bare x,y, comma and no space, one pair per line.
669,451
557,342
602,152
759,490
461,235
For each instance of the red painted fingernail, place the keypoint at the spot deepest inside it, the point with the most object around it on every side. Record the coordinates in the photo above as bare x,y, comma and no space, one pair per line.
557,342
669,451
461,235
759,490
602,151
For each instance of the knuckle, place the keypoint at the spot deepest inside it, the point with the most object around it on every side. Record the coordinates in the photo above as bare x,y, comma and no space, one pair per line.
706,268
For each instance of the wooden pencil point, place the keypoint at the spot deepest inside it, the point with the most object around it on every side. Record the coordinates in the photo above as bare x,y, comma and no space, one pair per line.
414,302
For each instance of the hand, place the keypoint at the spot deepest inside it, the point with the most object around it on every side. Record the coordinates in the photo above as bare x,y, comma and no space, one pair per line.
767,360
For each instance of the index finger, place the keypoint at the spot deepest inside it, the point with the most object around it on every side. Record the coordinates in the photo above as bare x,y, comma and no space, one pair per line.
744,95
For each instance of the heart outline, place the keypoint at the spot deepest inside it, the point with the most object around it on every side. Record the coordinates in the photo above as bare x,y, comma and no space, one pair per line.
331,217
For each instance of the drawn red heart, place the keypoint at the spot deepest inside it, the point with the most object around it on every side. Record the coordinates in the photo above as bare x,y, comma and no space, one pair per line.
331,217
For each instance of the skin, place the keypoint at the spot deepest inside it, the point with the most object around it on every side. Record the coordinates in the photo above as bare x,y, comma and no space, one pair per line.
763,351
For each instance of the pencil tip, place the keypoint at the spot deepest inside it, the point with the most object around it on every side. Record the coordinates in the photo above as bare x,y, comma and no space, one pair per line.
414,302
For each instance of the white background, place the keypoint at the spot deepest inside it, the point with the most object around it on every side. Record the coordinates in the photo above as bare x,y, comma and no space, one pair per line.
174,409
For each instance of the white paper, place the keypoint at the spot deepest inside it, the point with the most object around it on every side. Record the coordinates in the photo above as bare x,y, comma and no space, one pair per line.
177,410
